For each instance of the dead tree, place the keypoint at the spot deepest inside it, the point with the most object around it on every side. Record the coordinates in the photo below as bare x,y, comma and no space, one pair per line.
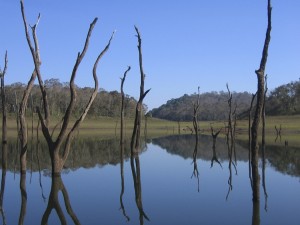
135,139
259,107
3,98
4,138
65,136
123,106
122,147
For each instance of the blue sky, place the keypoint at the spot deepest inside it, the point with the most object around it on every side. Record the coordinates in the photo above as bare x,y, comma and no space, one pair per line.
186,44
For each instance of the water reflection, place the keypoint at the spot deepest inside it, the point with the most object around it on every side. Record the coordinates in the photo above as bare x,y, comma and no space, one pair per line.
57,186
122,207
3,178
23,198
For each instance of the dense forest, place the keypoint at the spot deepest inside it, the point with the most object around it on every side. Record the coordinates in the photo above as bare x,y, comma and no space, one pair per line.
105,104
283,100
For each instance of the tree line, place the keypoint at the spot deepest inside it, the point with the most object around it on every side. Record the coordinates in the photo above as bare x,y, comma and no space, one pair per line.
107,103
283,100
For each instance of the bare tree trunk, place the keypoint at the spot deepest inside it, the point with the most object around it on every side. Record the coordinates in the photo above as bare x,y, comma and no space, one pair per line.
258,111
3,98
58,159
135,139
123,106
4,138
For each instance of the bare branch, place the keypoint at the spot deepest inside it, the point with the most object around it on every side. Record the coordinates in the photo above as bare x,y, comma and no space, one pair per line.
90,102
72,84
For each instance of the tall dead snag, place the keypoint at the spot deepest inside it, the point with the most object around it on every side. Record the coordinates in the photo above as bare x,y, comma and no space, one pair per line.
123,106
135,139
4,138
122,143
65,136
3,98
259,106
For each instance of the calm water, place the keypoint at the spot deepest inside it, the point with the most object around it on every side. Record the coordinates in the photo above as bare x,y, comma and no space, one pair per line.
165,189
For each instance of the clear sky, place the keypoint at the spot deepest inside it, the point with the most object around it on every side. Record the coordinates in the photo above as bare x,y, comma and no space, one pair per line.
185,43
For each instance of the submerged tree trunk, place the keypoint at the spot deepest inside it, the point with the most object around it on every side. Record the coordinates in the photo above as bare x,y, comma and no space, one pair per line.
258,111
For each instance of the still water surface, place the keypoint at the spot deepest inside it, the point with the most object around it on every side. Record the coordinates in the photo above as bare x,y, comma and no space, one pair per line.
165,191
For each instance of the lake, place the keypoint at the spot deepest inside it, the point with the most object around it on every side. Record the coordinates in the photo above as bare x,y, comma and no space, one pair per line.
160,185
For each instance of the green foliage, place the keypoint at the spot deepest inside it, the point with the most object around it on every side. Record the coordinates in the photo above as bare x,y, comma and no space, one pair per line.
284,100
106,103
213,106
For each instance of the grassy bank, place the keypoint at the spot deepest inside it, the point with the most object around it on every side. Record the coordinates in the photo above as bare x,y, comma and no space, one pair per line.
107,126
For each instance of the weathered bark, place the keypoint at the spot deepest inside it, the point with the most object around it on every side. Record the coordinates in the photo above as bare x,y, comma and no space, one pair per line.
53,203
123,106
3,98
58,159
122,147
135,139
4,138
259,106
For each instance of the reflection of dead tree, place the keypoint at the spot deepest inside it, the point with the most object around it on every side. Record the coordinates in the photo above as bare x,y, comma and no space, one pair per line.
278,133
53,203
214,136
136,174
3,178
258,111
196,128
122,143
249,136
38,159
23,198
230,138
65,136
255,213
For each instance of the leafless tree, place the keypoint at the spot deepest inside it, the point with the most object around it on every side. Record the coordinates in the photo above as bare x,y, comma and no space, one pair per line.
65,135
135,139
259,107
4,137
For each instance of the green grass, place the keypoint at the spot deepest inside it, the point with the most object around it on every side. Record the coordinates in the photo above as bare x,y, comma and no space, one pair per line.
106,126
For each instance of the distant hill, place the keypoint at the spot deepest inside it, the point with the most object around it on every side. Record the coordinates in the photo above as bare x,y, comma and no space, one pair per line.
283,100
213,106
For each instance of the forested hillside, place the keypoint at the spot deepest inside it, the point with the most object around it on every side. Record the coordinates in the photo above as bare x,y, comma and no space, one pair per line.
213,106
283,100
105,104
